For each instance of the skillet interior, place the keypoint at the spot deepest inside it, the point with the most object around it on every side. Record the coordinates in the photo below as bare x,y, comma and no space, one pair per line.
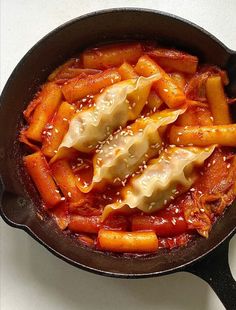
20,200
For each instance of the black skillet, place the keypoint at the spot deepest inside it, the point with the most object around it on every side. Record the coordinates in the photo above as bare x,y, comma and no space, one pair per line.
207,258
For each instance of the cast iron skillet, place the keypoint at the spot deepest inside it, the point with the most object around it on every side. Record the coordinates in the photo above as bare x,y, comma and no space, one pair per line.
20,201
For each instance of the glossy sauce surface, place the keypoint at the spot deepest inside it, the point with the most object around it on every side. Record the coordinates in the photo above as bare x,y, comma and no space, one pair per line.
73,90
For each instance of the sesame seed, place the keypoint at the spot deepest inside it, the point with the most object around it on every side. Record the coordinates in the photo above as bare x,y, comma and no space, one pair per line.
154,146
65,119
69,194
116,180
123,183
99,160
63,198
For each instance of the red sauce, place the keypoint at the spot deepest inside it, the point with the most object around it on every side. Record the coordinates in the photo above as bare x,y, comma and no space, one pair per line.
175,225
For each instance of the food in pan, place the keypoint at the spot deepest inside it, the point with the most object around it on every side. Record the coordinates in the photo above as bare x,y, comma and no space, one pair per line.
131,147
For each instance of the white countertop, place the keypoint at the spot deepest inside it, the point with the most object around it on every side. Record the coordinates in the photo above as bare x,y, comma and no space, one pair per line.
31,277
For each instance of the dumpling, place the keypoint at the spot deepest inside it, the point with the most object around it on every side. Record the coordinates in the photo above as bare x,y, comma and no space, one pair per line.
118,103
156,186
122,153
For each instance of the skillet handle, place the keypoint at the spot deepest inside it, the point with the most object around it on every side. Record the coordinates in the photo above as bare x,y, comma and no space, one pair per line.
215,270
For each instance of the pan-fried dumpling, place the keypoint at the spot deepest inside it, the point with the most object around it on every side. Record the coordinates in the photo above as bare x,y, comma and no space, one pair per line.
117,104
156,186
122,153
